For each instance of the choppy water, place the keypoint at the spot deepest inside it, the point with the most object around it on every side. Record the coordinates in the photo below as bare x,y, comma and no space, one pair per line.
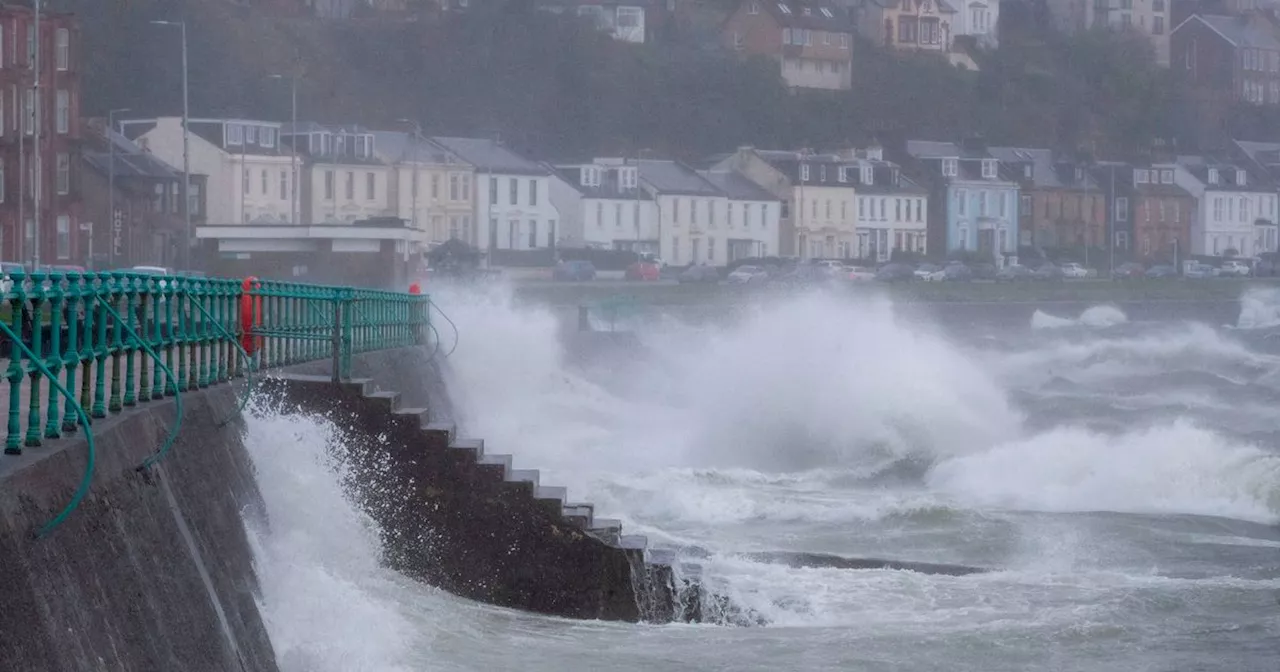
1121,478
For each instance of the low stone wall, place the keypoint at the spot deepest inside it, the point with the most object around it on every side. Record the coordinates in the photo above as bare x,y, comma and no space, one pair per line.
154,570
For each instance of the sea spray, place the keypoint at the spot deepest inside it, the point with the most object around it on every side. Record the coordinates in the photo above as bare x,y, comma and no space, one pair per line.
324,592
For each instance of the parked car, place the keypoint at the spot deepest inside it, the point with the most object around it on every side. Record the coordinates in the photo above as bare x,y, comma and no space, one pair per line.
643,270
831,267
1162,271
1128,270
1074,271
699,274
800,275
574,271
923,271
1199,271
1234,267
1047,273
895,273
1014,273
984,271
744,275
956,272
858,273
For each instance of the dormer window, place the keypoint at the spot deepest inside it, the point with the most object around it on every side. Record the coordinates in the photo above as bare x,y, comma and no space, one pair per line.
843,174
988,169
753,8
804,172
949,167
362,146
1213,176
235,134
1028,171
784,9
1166,176
806,11
1140,177
1240,178
267,137
1079,174
866,175
822,173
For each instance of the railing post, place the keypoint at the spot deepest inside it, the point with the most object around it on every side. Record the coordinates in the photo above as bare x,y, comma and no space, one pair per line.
337,336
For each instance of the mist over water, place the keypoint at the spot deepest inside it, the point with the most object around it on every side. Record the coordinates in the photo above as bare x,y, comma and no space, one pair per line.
1120,478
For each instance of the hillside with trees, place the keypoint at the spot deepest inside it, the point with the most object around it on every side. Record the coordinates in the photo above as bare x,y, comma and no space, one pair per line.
555,88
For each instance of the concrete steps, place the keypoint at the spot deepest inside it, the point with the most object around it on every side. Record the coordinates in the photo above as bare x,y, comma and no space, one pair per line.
554,498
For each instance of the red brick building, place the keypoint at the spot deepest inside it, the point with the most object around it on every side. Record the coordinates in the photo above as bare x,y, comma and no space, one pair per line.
57,146
811,41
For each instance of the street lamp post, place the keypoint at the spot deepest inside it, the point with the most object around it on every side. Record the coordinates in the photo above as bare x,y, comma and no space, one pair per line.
186,153
293,146
111,187
417,138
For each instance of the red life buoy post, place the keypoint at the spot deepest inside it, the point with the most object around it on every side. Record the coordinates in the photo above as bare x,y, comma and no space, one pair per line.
250,315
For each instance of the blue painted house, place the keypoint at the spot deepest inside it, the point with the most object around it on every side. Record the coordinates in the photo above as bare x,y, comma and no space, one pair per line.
973,200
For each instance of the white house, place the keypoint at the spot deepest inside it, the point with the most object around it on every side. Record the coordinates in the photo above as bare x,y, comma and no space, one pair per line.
1237,210
343,180
601,204
893,211
513,208
749,224
625,21
248,172
978,18
431,187
687,205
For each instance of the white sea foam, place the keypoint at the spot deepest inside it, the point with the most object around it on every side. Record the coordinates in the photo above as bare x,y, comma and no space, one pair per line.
324,594
1095,316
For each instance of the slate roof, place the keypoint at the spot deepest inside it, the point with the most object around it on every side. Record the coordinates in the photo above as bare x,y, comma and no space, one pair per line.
608,184
809,15
1239,33
1265,154
1046,171
489,156
131,161
673,177
397,146
736,187
969,159
1199,167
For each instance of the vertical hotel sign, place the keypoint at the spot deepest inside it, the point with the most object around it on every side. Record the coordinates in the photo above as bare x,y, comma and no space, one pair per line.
117,234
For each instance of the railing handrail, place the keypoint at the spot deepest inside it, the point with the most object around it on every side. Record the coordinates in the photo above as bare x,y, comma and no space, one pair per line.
91,323
177,393
91,450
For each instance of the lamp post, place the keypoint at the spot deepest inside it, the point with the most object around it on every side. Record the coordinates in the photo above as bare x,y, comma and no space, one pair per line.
111,187
37,167
417,137
186,154
293,142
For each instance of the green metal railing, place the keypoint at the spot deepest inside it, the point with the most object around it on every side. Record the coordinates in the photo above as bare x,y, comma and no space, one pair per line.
123,339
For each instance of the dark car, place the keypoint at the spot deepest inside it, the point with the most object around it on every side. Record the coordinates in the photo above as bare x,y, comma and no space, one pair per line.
984,271
699,274
895,273
957,272
1130,270
1014,273
1162,271
574,271
1048,273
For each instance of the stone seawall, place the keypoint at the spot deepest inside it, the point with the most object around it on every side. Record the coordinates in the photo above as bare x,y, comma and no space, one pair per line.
154,571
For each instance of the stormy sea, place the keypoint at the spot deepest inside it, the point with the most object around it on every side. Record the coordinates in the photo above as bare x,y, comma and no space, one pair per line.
1115,476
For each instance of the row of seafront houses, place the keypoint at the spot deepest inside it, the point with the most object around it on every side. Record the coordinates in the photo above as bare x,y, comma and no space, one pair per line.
367,201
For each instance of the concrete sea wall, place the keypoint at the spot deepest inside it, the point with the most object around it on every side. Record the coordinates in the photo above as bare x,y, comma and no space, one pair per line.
154,571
